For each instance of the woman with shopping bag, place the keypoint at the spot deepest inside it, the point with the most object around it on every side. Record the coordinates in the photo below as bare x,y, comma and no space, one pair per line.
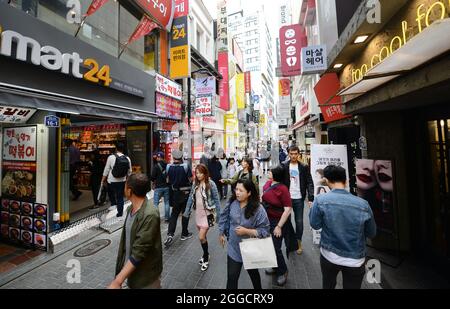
205,200
277,202
241,220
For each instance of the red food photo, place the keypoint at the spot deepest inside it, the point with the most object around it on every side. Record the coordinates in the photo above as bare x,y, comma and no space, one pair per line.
40,210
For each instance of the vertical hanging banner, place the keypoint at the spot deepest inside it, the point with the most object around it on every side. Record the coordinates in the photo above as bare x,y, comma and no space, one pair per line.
181,8
180,52
240,91
95,5
222,26
292,39
248,82
224,89
284,87
161,11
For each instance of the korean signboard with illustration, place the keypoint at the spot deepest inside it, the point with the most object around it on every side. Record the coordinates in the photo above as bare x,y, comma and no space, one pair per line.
314,59
203,106
10,114
330,104
292,39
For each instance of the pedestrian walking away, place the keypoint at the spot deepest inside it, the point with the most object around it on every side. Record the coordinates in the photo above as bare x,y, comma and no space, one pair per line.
224,175
297,177
96,167
74,162
139,260
161,187
215,172
278,204
117,169
243,217
205,200
180,181
346,221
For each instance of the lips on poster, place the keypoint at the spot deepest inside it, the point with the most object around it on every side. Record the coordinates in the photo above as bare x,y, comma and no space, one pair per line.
375,184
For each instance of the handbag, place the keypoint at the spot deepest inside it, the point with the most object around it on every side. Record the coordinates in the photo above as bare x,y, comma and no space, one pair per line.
258,253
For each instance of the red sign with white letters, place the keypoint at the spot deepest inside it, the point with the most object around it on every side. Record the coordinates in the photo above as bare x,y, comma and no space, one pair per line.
292,40
181,8
330,104
161,10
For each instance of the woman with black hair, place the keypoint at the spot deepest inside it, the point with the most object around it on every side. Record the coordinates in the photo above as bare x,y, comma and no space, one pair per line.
242,218
245,173
278,204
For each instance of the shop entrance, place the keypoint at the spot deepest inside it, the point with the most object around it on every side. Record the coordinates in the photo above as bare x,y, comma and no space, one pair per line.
86,144
439,206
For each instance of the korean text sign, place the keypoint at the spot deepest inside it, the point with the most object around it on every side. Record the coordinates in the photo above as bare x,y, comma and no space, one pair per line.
19,144
292,39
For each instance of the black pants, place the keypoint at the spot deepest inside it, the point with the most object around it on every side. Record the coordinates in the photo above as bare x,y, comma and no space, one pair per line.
95,186
72,181
278,242
234,271
116,194
352,276
178,200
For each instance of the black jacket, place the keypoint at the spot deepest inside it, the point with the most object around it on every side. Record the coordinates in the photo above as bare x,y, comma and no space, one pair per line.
159,176
306,182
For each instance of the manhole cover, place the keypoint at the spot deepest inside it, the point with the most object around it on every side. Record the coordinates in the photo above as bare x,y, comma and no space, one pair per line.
92,248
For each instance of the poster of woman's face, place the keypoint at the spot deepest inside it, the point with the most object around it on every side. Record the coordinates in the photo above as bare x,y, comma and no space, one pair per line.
375,183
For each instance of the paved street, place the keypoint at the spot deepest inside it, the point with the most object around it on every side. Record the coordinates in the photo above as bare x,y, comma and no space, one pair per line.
181,270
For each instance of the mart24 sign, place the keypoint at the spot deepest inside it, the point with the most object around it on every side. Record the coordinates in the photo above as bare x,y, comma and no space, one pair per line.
29,50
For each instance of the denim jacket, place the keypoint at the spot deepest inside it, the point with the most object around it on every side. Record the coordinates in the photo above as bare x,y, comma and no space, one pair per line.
346,221
212,199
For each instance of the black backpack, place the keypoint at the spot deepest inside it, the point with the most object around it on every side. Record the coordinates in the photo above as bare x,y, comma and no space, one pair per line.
121,166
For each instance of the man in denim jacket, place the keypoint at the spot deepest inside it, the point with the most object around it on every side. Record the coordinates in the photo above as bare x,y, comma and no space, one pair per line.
346,221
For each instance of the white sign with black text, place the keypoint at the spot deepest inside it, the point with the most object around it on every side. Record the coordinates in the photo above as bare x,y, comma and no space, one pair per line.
314,59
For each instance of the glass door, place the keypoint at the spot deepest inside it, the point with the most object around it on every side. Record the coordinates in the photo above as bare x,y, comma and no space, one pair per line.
439,134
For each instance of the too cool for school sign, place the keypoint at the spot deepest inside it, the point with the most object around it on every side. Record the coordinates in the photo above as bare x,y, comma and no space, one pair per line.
293,38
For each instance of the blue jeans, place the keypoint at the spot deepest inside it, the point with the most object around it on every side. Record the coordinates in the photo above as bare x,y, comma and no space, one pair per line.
299,207
162,192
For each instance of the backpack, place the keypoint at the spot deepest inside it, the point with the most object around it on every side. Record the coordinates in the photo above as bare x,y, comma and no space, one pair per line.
121,166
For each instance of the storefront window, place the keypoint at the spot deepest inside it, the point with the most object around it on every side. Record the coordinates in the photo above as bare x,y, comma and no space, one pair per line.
108,29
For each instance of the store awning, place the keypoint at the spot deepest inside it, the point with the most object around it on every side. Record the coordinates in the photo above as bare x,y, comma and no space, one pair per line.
33,98
427,45
203,63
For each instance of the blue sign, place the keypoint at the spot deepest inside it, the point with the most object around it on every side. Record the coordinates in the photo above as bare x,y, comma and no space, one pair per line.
52,121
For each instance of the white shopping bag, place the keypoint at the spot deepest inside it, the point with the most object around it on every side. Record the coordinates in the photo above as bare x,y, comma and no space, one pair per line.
258,253
316,236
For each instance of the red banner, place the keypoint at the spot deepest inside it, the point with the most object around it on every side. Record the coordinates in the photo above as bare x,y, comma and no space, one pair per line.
224,90
167,107
292,40
161,10
326,90
285,87
181,8
145,26
95,5
248,82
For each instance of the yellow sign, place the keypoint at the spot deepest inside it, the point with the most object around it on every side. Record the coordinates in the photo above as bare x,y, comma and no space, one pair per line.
179,64
240,91
423,20
262,119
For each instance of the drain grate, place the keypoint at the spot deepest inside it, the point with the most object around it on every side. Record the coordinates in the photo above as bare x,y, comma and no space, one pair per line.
92,248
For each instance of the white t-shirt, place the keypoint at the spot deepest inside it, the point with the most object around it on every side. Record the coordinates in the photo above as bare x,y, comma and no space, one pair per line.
256,167
294,188
341,261
109,167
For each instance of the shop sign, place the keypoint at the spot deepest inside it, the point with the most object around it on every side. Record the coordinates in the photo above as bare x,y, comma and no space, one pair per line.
330,104
314,59
240,91
167,107
248,82
181,8
205,86
203,106
293,38
169,88
180,52
52,121
19,144
425,15
304,109
224,89
222,26
284,87
162,11
10,114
